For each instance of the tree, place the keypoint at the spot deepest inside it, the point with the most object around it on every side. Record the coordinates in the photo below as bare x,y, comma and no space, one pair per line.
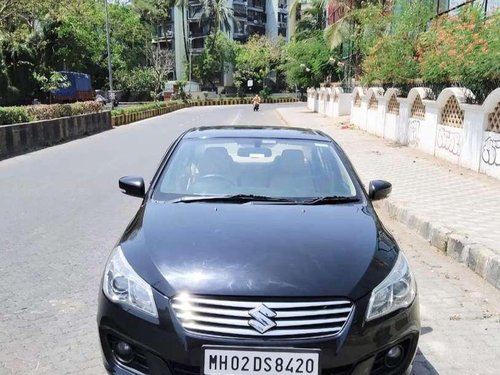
462,48
162,63
390,53
308,62
51,82
256,59
313,19
218,15
215,59
137,84
344,32
21,43
153,12
49,35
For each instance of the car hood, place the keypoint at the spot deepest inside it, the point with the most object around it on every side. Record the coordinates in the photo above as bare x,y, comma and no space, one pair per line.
259,249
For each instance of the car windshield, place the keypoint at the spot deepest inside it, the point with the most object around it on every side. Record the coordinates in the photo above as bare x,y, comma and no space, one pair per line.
274,168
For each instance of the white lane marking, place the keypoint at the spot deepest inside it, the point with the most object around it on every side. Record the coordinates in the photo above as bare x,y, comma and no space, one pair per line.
236,118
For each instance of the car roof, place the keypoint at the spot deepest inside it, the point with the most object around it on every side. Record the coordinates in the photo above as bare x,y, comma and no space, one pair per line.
256,132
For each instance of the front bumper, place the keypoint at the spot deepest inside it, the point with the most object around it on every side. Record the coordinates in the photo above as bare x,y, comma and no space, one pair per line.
162,347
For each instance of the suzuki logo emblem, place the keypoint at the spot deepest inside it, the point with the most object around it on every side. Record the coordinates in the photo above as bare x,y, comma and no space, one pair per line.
261,321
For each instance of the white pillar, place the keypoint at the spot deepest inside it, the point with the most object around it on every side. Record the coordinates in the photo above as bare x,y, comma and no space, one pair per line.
180,48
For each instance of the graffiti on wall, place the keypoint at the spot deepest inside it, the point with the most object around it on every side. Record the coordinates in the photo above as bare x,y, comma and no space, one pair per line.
414,133
450,141
491,151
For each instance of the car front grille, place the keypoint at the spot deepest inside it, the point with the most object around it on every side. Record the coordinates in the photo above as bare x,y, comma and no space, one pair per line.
217,316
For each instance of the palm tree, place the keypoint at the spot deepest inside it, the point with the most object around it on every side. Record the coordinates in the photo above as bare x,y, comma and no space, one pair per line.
337,32
218,15
313,19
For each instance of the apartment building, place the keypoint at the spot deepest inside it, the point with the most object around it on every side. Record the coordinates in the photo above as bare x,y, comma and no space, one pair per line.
185,32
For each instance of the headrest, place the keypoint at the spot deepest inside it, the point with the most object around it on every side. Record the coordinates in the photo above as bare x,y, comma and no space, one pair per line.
215,160
292,161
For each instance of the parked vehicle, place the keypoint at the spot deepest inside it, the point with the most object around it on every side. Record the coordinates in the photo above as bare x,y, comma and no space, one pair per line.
79,89
257,250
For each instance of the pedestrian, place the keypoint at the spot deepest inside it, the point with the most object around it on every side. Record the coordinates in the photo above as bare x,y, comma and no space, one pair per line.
256,102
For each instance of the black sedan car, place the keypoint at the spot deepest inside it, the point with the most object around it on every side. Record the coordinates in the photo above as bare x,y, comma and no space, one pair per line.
256,250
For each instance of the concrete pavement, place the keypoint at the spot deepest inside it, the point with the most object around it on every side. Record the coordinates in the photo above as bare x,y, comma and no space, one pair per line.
61,213
457,210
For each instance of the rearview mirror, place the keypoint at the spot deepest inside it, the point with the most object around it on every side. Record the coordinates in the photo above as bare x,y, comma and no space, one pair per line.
379,189
133,186
255,152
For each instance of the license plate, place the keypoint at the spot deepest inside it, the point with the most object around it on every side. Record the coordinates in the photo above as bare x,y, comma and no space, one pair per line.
259,361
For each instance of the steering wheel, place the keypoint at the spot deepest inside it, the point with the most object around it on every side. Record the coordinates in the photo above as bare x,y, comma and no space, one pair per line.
217,177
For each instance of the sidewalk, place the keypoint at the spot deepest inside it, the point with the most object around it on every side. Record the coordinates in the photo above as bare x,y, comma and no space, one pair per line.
457,210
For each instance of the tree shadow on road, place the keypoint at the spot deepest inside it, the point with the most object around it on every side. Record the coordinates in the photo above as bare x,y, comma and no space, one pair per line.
421,366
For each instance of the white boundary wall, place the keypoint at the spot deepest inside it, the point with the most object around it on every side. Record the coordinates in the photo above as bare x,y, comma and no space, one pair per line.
469,144
329,101
489,159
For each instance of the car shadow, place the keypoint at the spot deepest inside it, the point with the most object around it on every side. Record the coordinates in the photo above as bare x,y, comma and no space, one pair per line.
421,366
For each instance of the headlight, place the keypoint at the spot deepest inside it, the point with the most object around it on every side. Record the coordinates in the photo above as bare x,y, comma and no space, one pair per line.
397,291
124,286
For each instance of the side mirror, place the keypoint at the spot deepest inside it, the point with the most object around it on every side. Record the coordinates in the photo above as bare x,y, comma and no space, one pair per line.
133,186
379,189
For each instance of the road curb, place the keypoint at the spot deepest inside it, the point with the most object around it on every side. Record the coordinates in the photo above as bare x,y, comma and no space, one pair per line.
477,257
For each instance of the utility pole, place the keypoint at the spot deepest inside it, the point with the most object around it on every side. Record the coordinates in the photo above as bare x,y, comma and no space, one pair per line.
110,67
190,60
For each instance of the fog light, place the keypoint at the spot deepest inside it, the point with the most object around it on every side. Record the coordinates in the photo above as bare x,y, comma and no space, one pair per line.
394,356
124,352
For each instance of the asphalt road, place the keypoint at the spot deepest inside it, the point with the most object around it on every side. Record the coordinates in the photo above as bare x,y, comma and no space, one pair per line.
61,214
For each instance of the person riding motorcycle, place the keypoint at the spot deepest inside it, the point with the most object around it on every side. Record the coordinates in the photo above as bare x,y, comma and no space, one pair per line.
256,102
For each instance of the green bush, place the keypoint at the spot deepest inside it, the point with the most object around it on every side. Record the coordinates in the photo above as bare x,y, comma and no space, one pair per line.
458,47
392,56
142,107
265,93
13,115
51,111
139,81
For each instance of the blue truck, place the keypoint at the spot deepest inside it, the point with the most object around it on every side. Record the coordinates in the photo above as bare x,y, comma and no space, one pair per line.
79,89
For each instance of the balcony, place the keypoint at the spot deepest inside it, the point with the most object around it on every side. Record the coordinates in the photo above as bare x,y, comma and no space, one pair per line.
257,9
256,24
256,5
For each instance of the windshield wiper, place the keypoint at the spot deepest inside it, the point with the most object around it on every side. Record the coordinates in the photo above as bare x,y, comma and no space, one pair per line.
237,198
331,200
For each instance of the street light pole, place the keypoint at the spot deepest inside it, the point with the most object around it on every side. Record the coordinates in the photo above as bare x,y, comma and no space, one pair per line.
190,61
110,67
